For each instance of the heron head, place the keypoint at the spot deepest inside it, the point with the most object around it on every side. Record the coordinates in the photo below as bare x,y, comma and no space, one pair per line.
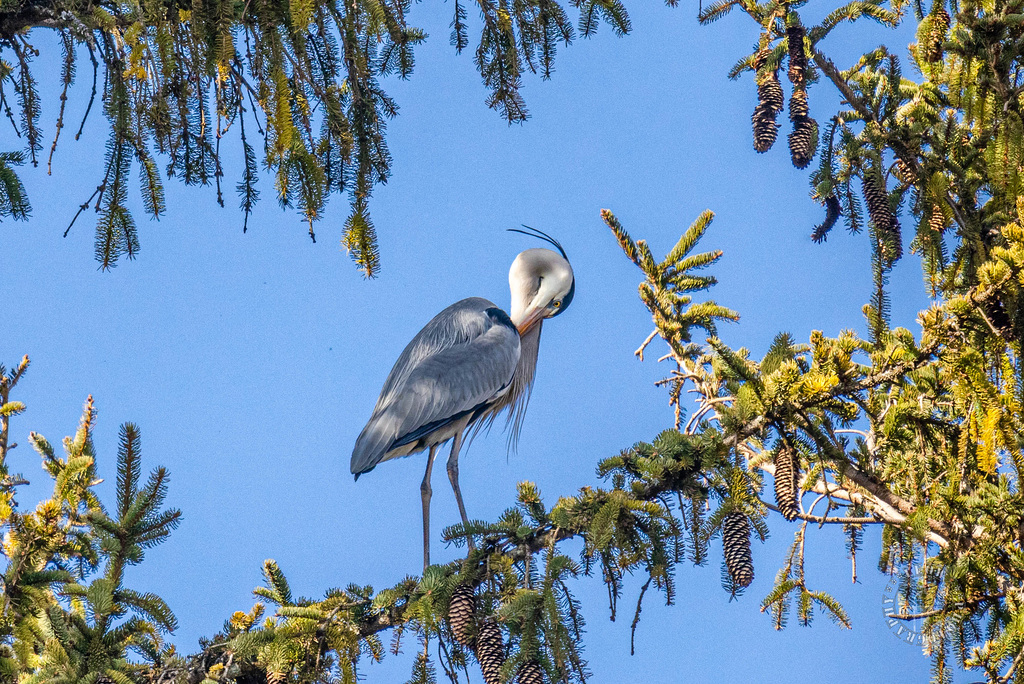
542,284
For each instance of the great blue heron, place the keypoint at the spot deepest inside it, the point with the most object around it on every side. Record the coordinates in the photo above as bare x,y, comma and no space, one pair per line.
467,365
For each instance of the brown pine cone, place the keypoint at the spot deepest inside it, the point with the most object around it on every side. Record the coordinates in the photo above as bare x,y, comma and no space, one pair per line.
802,141
905,173
530,673
460,613
937,35
736,547
490,651
797,56
765,128
769,92
757,61
798,104
886,225
937,219
786,486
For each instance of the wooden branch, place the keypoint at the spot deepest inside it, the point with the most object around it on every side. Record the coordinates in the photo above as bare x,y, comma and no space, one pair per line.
829,69
830,520
947,609
1005,679
880,502
639,353
51,15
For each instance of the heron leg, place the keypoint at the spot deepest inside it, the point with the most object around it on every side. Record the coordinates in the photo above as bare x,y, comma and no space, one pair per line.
453,475
425,493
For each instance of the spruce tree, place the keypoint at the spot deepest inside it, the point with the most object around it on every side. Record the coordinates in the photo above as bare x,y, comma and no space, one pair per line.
68,616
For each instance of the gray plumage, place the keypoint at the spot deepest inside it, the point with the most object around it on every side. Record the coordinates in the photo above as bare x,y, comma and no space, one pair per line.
462,361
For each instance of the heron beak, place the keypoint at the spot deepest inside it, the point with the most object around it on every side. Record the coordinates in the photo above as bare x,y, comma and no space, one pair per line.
533,317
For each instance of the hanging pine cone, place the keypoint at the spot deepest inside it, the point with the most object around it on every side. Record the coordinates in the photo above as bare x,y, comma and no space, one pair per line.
786,485
530,673
797,56
460,613
770,103
798,104
937,35
886,226
736,546
802,141
765,128
937,219
904,172
490,651
769,92
924,38
758,59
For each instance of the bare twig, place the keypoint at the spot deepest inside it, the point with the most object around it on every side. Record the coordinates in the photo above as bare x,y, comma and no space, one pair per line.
640,350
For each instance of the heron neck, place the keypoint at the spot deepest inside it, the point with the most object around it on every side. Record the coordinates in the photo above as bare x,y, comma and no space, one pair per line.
522,382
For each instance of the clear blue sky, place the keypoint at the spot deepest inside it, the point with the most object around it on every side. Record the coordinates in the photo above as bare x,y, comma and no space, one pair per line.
252,361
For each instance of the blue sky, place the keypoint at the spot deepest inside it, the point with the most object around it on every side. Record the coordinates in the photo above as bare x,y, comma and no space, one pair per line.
252,361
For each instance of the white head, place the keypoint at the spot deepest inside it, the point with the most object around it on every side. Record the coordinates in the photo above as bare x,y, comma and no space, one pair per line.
542,286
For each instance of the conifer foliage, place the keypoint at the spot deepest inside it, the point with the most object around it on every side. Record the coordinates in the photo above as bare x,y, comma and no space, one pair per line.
178,80
68,616
913,435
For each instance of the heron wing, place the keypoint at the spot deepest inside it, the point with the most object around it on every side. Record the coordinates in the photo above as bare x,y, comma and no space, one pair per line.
461,360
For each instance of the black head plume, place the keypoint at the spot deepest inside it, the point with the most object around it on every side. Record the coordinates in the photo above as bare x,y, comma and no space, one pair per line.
534,232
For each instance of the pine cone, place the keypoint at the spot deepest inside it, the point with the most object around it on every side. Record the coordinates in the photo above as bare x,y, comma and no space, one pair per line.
937,219
797,56
769,92
530,673
460,613
765,128
798,104
802,141
786,471
757,61
490,651
924,38
905,173
886,226
736,543
937,36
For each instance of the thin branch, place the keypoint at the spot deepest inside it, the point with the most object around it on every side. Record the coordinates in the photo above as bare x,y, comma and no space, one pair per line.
92,95
640,350
829,520
82,207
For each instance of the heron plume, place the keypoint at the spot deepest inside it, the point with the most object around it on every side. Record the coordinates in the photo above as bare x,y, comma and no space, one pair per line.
517,397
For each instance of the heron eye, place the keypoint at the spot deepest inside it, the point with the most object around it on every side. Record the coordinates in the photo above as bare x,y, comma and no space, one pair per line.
556,304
